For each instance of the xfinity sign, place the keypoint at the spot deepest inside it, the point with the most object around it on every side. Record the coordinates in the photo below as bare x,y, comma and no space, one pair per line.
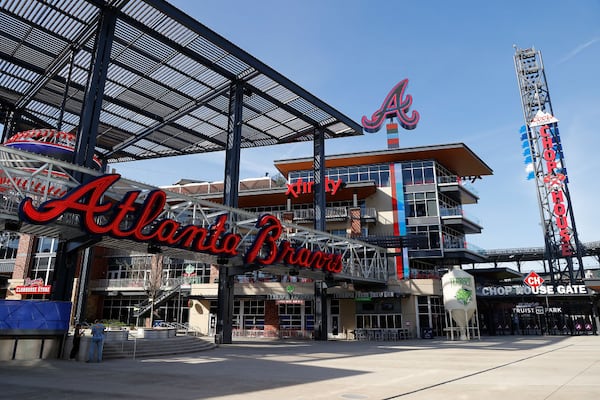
533,280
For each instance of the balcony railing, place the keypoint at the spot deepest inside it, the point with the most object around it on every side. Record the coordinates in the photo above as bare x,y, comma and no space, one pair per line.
308,214
453,243
330,212
456,179
133,284
416,273
457,212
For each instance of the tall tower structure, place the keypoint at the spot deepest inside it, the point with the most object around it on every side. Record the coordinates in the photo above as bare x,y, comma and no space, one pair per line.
545,158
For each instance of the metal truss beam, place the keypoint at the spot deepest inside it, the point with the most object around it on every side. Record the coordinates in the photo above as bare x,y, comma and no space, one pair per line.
41,178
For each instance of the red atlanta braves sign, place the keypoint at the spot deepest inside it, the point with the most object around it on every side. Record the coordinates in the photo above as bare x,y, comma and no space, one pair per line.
396,104
87,201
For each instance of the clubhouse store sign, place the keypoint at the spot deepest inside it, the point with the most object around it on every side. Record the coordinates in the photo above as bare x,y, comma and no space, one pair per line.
524,290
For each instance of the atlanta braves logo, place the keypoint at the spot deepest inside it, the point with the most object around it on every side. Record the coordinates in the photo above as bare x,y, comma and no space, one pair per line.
396,104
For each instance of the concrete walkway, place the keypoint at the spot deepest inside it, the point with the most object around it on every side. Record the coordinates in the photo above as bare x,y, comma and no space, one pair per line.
507,368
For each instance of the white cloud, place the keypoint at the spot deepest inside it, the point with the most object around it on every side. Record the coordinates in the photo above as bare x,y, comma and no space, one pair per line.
579,49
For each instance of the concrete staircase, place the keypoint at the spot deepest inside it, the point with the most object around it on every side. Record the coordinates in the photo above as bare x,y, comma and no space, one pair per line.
156,347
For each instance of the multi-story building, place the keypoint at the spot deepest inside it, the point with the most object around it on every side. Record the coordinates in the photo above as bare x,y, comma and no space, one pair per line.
410,201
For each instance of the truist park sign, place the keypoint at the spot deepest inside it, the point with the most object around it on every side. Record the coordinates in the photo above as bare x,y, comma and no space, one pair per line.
90,202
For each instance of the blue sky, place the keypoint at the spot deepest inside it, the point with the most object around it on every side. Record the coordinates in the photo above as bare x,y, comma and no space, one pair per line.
458,57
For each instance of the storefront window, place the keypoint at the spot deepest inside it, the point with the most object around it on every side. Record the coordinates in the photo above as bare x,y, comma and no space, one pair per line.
249,314
290,316
431,314
379,314
43,268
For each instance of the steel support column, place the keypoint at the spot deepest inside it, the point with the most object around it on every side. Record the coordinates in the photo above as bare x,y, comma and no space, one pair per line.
230,198
92,105
66,266
319,179
321,314
8,123
66,262
319,204
84,277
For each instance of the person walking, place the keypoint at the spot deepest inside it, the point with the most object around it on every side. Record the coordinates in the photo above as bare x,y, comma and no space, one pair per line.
97,342
77,334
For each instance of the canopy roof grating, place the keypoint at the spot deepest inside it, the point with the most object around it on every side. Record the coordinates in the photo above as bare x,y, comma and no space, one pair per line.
168,86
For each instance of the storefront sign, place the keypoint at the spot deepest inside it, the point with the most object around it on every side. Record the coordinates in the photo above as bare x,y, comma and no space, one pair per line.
396,104
90,202
302,187
535,308
370,295
542,118
533,280
286,297
290,301
519,290
33,289
33,286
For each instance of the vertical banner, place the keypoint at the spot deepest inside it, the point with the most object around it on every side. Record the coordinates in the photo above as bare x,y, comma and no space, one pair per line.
399,218
393,139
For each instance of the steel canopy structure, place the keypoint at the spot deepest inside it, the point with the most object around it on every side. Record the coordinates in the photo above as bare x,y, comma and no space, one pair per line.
168,81
139,79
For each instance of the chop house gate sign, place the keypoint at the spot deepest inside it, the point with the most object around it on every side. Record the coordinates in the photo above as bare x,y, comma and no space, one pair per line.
87,201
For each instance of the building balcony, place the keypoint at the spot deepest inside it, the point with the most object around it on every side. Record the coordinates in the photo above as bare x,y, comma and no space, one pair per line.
455,188
333,214
459,249
456,218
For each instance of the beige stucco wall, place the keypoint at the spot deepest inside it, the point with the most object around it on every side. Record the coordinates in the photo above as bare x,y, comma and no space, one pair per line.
382,202
199,315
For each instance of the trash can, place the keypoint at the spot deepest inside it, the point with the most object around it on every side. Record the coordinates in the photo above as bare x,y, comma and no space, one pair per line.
426,333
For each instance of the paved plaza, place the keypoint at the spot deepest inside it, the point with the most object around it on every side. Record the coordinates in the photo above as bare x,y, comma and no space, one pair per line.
525,367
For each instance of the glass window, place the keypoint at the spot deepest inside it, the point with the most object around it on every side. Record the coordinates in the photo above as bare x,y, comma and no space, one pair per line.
420,209
9,245
335,306
47,245
432,208
418,176
43,268
407,176
384,178
428,175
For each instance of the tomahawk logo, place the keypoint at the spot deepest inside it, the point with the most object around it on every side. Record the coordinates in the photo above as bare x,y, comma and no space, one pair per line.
533,280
